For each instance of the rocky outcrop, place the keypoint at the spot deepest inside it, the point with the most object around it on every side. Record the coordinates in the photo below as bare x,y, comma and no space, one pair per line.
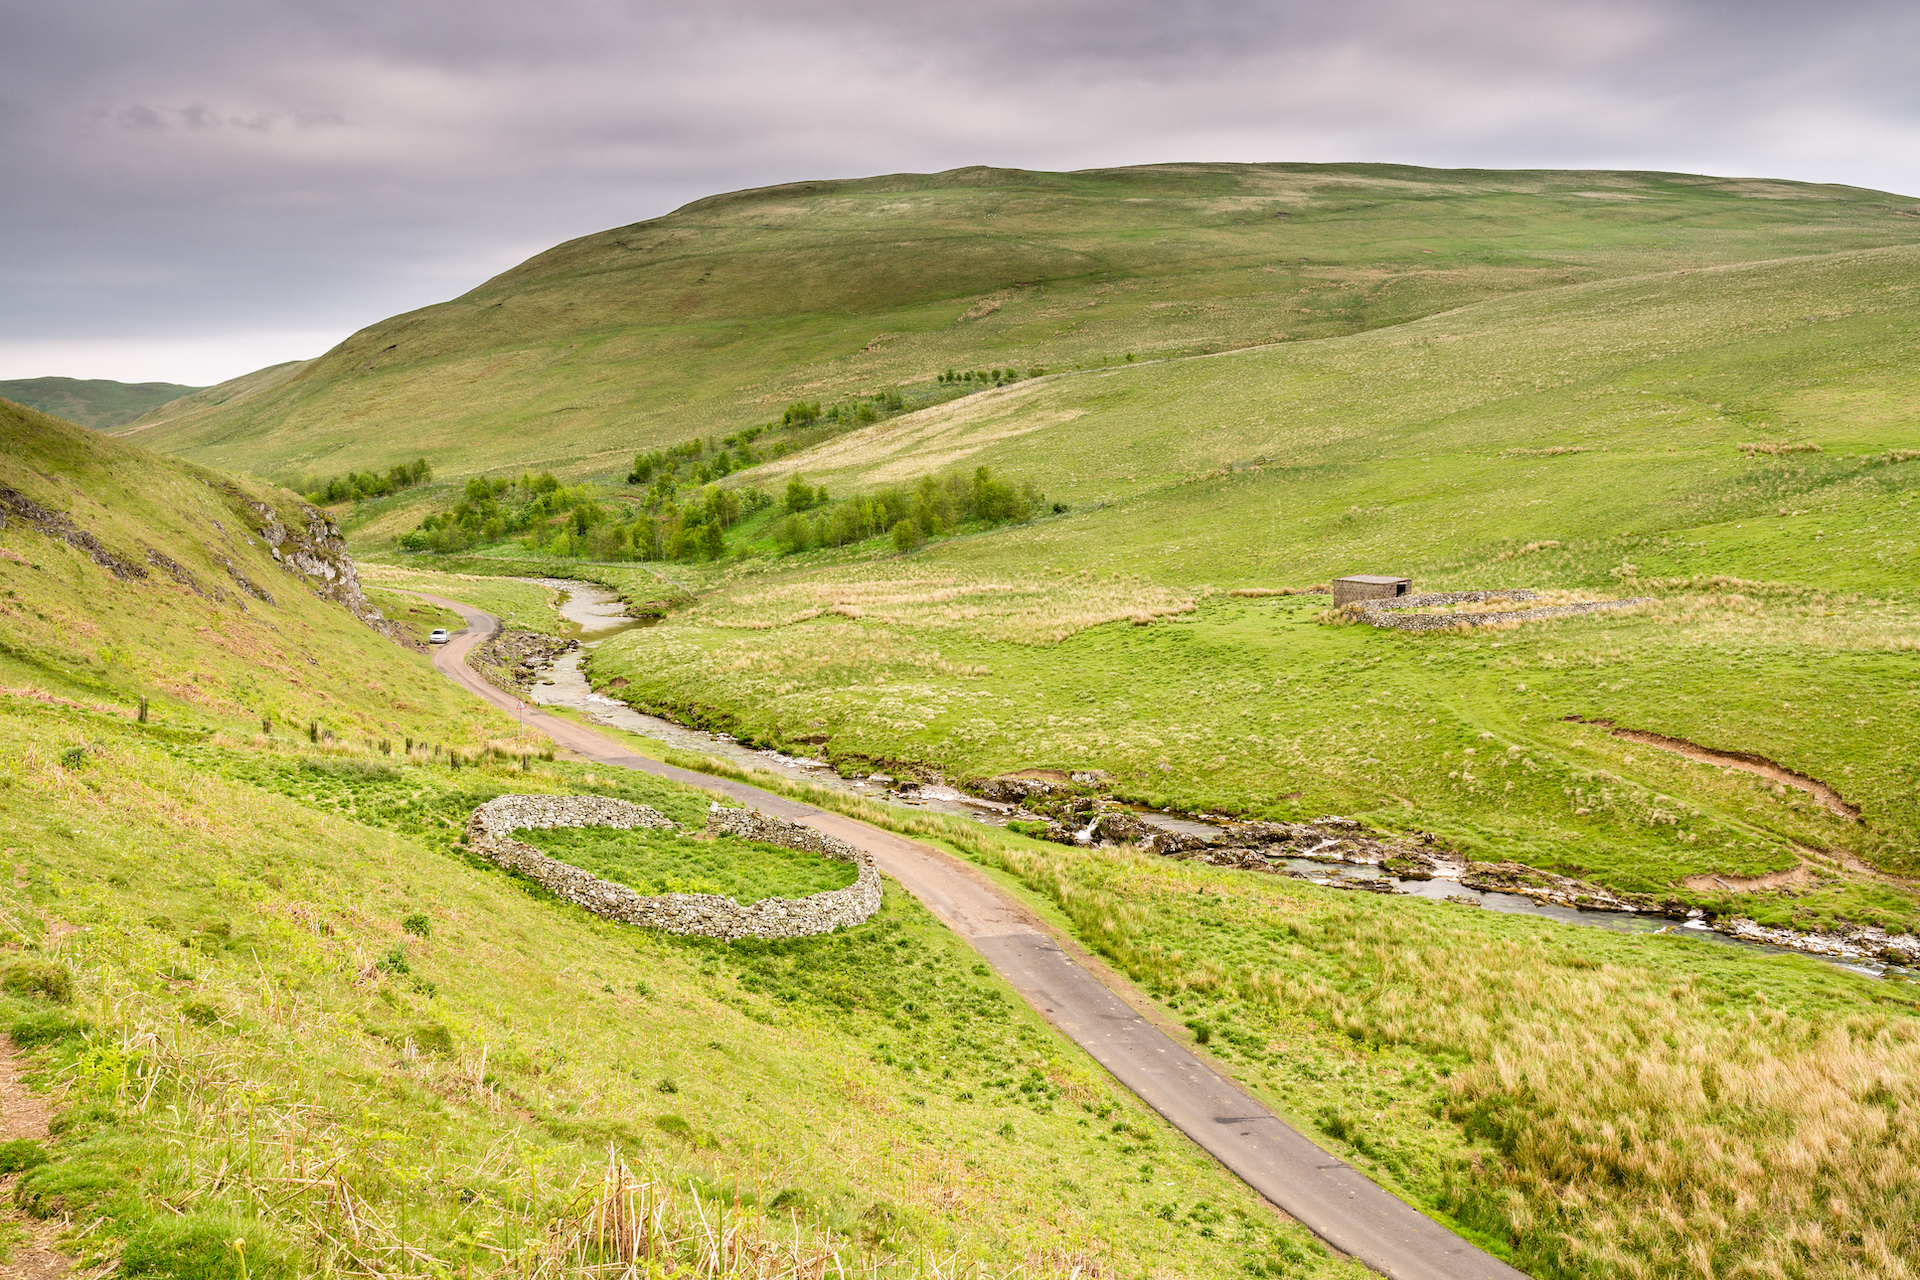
15,505
315,552
510,659
181,574
489,832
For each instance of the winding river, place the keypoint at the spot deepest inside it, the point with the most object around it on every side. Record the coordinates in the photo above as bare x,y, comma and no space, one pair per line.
598,615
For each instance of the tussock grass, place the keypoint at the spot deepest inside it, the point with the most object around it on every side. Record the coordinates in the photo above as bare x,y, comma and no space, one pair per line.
1603,1105
1778,448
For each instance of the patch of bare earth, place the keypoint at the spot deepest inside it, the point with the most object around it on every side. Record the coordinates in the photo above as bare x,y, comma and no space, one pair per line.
25,1114
1748,884
1742,760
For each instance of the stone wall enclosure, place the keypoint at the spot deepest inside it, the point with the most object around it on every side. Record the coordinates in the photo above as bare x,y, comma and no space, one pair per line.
489,832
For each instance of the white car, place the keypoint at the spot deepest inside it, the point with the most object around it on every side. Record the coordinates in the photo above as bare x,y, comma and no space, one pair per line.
439,636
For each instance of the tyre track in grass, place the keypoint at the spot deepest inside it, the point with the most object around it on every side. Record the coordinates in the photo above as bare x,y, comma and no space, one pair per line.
1086,1002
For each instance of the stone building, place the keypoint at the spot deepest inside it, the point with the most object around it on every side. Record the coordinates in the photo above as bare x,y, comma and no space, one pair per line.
1368,586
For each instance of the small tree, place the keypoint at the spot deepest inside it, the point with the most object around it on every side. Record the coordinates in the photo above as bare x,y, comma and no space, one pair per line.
907,535
800,495
792,535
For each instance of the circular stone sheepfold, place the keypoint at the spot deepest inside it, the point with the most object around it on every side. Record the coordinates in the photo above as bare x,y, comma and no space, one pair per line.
489,832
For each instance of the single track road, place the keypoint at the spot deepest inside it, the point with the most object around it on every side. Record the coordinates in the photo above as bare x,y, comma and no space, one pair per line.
1089,1004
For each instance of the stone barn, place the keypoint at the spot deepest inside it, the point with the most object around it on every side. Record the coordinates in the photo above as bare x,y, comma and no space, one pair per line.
1368,586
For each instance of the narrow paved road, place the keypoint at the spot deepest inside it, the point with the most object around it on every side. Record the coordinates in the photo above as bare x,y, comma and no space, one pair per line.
1082,999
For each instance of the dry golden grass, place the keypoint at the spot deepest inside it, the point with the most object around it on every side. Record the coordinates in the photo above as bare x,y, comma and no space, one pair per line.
1774,448
1636,1122
1023,610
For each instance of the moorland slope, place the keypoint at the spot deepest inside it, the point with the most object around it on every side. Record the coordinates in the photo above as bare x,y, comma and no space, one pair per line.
125,574
1733,443
713,317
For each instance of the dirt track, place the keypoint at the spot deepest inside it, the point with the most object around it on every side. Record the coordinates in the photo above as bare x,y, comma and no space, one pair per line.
1092,1006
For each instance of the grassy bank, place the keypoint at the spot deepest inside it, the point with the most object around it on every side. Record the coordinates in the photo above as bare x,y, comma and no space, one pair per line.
1588,1103
314,1025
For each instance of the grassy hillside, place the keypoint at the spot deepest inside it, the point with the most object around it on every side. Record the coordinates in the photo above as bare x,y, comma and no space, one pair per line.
316,1027
92,402
290,1027
143,576
1587,438
714,317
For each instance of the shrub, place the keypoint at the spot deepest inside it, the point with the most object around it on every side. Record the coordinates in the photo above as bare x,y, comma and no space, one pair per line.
907,535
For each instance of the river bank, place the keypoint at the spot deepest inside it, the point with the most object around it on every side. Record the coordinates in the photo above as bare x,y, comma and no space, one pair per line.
1334,852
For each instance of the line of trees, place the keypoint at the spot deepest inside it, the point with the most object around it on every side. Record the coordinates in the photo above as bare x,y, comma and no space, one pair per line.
695,462
357,485
934,505
991,377
490,510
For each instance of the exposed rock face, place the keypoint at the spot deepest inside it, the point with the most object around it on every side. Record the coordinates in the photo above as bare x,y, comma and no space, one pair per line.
15,505
490,828
182,575
316,553
1013,790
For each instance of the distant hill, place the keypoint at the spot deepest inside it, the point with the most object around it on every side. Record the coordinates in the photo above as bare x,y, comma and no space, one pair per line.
92,402
715,316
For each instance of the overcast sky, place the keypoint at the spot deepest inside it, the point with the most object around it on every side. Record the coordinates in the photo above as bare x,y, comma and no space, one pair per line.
197,188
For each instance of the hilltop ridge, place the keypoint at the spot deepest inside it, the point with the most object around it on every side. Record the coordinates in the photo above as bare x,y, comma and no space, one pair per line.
93,402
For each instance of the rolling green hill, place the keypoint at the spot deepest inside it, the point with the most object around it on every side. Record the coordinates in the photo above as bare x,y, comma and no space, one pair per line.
322,1029
714,317
92,402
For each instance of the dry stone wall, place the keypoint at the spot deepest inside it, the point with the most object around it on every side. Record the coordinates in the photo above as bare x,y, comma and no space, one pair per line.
1434,598
489,832
1446,621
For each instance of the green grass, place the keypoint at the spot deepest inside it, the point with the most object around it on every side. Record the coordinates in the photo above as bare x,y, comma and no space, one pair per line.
317,1025
416,617
1583,1102
524,606
657,862
1785,626
70,628
712,318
